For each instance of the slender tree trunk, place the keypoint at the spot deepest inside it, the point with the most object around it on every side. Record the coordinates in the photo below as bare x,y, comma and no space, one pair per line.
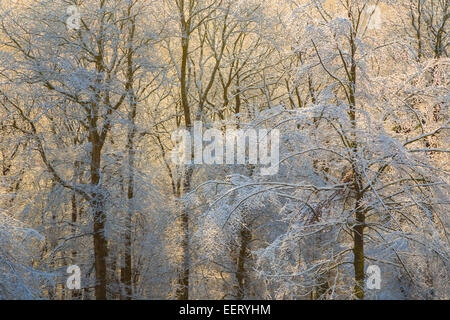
241,275
183,280
100,245
358,227
76,294
358,252
126,271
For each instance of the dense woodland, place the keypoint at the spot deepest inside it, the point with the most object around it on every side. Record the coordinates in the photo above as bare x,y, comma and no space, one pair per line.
358,89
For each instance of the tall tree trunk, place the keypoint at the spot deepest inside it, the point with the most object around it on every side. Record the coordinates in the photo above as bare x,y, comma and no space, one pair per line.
358,227
76,294
126,271
100,245
183,281
358,252
241,274
183,278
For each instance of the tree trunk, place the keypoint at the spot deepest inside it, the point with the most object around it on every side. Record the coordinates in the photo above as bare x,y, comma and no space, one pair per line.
242,259
183,278
126,271
76,294
183,281
358,253
100,245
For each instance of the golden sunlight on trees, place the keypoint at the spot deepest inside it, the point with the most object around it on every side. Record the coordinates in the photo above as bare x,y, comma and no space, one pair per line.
322,155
